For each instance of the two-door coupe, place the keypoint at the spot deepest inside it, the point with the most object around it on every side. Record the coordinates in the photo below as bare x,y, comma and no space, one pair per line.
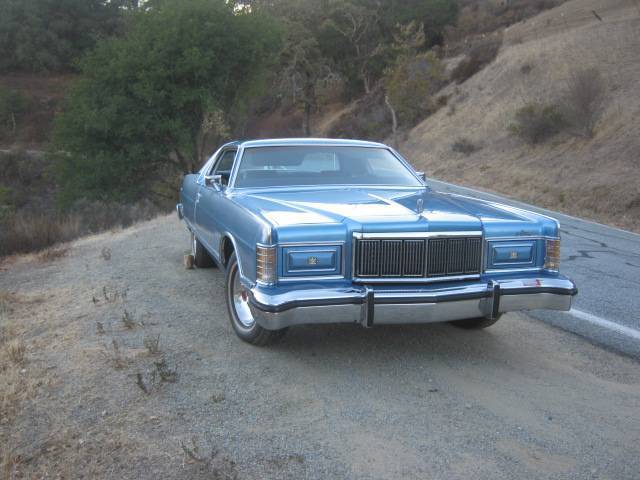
326,231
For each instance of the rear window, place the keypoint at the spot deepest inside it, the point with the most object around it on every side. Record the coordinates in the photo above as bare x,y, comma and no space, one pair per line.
321,165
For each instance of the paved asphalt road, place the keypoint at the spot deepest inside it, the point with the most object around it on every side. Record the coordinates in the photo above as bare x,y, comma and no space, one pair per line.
605,264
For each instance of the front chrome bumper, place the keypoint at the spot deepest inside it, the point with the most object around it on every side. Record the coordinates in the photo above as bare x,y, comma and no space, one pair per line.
369,305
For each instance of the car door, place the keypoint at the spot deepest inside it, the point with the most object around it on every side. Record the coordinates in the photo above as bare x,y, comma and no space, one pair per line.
211,199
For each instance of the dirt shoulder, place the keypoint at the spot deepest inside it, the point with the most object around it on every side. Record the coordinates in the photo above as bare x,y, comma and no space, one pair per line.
91,398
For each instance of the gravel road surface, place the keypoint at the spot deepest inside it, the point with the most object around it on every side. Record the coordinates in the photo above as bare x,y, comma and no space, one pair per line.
522,399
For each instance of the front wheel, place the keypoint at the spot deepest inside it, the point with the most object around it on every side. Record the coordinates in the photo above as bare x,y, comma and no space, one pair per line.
475,323
240,314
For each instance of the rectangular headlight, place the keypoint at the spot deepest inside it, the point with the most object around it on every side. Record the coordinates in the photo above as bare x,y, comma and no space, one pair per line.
266,264
301,261
552,254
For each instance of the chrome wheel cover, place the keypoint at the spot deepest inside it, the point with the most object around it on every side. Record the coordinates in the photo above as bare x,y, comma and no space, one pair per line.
240,299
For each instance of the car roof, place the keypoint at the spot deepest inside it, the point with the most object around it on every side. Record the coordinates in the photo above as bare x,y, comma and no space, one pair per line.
283,142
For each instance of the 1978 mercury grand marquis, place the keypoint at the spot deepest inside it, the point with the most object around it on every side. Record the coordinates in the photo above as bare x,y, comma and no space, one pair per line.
326,231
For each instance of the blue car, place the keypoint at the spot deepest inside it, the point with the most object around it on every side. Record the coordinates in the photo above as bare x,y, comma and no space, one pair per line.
314,231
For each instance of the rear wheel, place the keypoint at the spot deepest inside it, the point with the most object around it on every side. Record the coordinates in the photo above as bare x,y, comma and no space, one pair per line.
475,323
201,257
240,314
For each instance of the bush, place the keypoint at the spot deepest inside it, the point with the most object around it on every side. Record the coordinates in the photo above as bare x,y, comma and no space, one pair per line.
465,146
411,85
536,122
583,101
480,55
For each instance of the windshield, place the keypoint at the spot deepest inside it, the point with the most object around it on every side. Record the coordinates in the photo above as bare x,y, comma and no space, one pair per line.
321,165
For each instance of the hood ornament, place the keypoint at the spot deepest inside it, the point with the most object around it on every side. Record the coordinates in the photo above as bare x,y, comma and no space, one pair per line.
420,206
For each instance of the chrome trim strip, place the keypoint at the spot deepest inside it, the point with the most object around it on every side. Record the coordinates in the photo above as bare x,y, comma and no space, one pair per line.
327,243
310,278
512,239
515,270
405,235
414,279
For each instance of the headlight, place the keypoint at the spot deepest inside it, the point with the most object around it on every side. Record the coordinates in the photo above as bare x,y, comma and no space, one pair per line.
266,264
552,254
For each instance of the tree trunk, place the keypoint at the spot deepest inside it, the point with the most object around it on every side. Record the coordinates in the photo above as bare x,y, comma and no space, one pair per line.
394,122
365,81
309,104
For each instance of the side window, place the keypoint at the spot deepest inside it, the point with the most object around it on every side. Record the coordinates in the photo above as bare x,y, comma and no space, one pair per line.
224,165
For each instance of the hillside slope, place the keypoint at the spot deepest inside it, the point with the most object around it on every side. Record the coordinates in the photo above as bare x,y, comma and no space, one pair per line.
597,178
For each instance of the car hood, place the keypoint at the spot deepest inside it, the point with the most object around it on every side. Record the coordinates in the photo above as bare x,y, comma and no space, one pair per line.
381,210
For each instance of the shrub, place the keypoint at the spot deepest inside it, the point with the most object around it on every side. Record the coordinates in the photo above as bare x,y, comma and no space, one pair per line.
536,122
583,101
411,84
480,55
465,146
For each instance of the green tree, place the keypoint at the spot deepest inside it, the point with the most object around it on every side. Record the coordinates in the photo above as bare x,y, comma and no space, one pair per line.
414,78
49,35
146,102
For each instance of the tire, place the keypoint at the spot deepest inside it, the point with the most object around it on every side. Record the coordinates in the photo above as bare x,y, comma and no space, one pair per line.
201,257
241,318
475,323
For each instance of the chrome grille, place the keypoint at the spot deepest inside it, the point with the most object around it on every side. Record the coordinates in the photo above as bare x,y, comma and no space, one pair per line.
417,258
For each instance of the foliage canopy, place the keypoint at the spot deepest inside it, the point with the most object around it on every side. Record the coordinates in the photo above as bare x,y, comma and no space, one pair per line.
148,101
49,35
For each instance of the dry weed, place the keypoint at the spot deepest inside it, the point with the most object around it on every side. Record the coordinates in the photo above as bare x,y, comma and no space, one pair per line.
214,463
128,320
16,351
152,344
119,362
105,253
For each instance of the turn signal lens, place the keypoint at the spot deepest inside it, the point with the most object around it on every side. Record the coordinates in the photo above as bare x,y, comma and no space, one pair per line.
266,264
552,255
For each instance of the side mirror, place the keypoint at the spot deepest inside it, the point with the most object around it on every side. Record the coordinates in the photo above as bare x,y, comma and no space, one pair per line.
422,176
214,181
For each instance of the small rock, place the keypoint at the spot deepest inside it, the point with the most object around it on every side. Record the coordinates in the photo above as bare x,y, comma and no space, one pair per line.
103,413
432,390
468,405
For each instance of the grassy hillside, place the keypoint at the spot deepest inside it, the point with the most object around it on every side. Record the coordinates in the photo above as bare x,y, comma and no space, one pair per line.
597,178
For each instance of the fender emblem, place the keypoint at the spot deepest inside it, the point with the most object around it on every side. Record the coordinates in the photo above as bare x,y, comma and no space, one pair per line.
312,261
513,255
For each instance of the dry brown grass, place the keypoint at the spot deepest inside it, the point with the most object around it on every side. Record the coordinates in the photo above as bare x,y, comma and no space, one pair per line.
27,233
53,253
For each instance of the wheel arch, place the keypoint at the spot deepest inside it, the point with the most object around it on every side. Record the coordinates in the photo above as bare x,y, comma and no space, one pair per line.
227,248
